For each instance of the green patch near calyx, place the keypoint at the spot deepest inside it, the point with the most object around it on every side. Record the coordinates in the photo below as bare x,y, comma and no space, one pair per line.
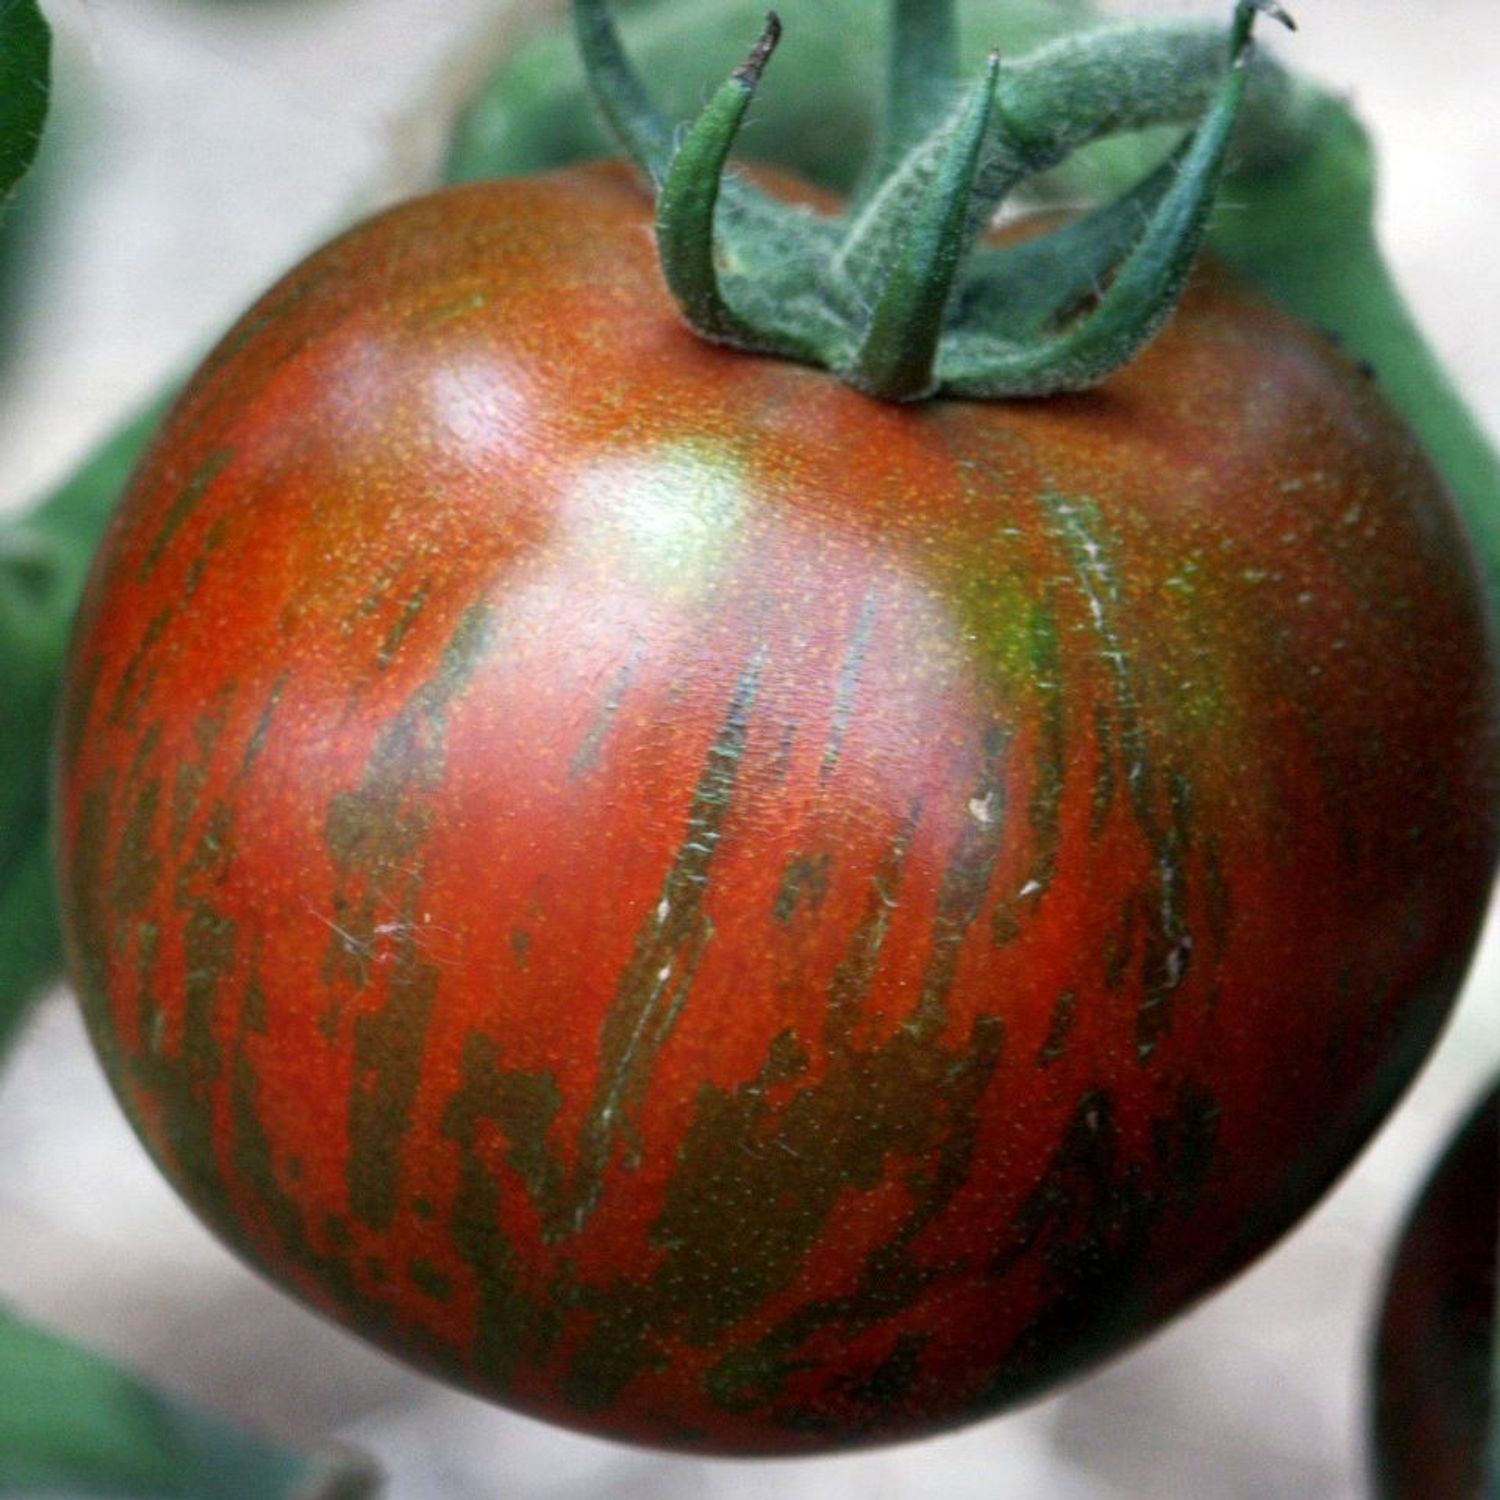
899,296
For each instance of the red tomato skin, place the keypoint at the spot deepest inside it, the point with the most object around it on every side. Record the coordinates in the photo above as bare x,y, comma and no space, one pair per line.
728,914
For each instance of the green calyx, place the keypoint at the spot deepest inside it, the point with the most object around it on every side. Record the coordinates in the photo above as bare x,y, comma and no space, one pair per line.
900,296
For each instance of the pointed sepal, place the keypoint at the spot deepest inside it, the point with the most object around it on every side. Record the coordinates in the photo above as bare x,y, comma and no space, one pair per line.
688,201
922,78
897,357
899,297
1138,300
644,133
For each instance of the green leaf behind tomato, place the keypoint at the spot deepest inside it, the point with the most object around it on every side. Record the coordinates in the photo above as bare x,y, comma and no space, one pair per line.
1303,231
25,61
818,117
74,1424
44,558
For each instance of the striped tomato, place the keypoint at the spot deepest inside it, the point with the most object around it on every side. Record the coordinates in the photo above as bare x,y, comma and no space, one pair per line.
728,913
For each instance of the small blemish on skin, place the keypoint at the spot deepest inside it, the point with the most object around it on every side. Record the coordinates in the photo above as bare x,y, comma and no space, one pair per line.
982,809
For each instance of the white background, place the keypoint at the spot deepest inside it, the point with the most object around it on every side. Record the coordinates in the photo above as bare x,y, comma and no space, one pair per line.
201,146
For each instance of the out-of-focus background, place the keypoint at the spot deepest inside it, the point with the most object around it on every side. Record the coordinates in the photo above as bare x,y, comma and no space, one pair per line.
198,147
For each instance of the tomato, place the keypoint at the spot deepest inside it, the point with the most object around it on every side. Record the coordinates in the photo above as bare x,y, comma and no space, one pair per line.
731,914
1433,1382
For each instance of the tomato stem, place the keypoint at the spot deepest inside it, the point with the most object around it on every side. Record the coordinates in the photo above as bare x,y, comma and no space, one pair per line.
921,78
618,93
895,297
1244,21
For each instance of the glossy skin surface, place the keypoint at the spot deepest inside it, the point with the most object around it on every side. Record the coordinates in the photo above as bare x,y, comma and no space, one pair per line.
1433,1372
728,914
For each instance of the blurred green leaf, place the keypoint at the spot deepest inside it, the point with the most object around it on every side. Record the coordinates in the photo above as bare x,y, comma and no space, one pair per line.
816,113
21,222
25,62
44,559
74,1424
31,948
